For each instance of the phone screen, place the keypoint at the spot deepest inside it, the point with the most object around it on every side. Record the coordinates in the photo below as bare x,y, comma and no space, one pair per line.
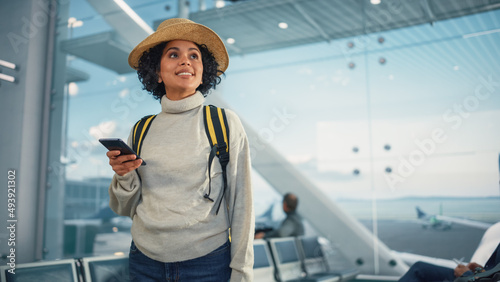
118,144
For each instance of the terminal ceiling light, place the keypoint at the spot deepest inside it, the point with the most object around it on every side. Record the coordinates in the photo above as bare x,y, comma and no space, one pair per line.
7,64
220,4
375,2
8,78
72,89
465,36
230,40
283,25
134,16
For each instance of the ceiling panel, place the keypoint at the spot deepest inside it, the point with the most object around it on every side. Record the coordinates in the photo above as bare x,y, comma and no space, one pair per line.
254,24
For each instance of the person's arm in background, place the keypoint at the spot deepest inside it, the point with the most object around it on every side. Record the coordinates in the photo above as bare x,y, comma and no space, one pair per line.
286,229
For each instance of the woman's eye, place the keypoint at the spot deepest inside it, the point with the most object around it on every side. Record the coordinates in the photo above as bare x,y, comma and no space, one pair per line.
194,56
173,55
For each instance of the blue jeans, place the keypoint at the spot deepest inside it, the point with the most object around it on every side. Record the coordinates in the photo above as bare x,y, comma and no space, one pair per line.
212,267
426,272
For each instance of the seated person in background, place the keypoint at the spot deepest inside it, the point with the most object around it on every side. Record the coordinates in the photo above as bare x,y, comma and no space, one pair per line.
292,225
422,271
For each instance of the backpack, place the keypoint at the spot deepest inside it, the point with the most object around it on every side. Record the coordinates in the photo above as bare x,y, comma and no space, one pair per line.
217,130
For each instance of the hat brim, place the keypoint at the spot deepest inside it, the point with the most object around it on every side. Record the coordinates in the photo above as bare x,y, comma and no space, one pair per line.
184,30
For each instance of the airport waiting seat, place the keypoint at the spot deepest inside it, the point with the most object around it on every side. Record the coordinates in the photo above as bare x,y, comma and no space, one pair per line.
289,265
263,267
105,269
44,271
315,262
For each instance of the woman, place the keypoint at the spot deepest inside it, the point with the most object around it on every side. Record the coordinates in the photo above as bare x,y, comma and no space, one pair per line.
176,233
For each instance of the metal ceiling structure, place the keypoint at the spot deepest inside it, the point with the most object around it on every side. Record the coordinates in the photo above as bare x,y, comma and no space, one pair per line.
254,24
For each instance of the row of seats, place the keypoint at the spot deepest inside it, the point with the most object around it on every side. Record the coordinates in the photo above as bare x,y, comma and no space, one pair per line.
295,259
277,259
91,269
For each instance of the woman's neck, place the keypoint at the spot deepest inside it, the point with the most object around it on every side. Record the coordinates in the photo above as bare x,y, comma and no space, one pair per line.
176,96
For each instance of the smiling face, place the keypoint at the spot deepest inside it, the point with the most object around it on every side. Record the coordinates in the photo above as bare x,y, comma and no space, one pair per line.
181,69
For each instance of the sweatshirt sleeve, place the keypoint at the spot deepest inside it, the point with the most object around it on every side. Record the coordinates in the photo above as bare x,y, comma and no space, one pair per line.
125,192
241,211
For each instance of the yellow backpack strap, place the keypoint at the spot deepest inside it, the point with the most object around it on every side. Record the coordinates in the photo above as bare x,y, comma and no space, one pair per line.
140,130
217,131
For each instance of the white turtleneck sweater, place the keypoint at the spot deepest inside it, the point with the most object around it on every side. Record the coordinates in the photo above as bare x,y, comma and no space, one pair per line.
172,221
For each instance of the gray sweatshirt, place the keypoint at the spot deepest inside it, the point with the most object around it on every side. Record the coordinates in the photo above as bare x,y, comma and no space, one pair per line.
172,221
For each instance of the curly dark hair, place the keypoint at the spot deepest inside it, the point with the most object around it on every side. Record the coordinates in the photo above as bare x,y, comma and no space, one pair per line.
149,66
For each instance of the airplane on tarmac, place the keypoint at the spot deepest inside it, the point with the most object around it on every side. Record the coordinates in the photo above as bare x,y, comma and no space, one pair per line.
265,222
432,221
445,222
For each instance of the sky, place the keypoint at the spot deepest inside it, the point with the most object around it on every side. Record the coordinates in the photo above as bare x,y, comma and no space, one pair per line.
434,102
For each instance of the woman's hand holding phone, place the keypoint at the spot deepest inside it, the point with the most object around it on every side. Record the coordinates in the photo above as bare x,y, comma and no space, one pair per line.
122,158
123,164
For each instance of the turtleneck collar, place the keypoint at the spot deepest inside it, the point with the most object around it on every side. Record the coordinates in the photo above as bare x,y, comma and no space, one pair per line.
179,106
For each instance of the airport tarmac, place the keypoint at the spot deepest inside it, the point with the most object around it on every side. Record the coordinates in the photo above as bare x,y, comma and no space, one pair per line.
409,236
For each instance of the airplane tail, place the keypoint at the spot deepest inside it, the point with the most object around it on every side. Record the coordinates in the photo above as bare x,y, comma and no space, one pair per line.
268,214
420,213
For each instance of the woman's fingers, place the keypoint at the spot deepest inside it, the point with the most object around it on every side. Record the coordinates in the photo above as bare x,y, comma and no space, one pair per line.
122,164
121,159
113,153
126,167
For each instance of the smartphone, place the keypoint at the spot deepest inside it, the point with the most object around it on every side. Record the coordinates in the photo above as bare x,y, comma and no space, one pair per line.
118,144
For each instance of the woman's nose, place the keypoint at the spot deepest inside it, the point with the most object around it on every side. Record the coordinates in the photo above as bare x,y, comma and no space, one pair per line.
185,61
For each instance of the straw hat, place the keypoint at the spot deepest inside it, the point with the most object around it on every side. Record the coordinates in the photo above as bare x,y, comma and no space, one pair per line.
182,29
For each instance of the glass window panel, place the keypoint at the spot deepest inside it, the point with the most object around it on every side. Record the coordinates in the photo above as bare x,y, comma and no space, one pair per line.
379,127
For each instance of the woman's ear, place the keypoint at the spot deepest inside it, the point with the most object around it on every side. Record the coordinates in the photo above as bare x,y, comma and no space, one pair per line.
159,78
